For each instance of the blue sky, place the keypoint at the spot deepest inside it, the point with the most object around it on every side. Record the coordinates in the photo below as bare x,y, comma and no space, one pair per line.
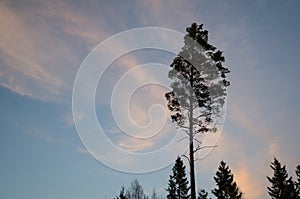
43,43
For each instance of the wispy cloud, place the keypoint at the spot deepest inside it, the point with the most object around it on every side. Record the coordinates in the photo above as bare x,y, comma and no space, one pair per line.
87,26
25,50
39,60
42,61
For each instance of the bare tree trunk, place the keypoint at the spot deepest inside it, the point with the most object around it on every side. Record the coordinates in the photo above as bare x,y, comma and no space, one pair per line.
192,171
191,138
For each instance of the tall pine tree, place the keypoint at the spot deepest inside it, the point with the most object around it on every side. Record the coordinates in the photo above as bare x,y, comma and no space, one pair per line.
226,187
198,90
178,183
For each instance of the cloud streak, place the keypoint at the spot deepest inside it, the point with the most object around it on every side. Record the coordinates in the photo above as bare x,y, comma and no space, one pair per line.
39,60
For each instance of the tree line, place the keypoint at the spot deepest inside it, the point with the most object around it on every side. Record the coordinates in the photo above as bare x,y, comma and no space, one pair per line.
282,186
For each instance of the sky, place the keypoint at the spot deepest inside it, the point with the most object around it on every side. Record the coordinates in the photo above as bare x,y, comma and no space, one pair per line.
43,44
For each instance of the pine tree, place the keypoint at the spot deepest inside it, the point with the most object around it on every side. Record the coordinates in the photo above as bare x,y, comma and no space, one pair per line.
202,194
198,90
281,187
278,180
226,187
178,184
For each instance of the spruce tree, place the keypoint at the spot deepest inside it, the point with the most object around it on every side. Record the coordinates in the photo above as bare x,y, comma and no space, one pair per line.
226,187
178,183
281,187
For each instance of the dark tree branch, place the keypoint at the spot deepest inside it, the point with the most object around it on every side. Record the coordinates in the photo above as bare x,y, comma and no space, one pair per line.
185,137
186,158
203,147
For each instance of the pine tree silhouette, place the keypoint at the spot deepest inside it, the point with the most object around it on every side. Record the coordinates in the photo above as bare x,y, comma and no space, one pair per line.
281,187
198,90
178,183
226,187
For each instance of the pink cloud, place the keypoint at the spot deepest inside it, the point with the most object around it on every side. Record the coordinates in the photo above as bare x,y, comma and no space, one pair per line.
251,187
37,62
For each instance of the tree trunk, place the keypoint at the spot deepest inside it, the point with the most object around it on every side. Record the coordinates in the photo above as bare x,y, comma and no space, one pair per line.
192,171
191,137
